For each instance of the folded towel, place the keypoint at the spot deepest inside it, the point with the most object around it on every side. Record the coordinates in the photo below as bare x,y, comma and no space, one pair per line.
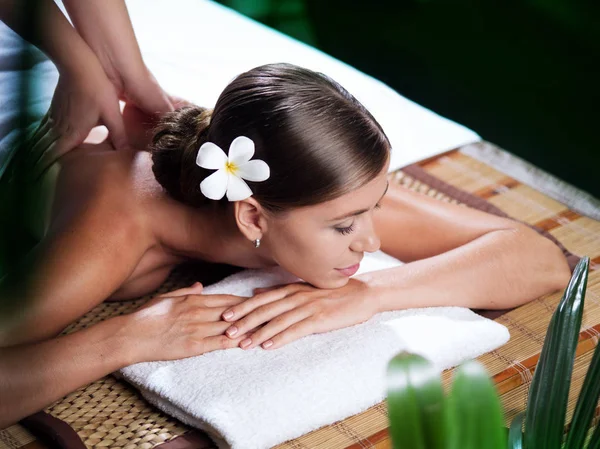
258,398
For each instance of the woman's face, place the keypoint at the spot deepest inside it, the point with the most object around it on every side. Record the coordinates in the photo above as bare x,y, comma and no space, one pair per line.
324,244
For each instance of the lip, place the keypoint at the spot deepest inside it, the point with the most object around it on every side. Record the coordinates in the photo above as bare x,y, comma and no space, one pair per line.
349,271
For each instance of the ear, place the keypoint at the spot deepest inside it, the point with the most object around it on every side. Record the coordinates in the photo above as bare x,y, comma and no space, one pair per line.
250,218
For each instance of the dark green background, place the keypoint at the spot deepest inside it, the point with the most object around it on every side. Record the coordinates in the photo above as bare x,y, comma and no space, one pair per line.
522,74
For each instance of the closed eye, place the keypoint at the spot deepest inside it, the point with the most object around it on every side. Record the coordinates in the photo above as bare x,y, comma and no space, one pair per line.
347,230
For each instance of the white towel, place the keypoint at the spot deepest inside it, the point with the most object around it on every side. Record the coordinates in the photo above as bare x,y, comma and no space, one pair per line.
260,398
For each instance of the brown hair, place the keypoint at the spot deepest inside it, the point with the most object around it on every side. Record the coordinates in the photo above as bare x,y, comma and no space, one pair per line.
318,140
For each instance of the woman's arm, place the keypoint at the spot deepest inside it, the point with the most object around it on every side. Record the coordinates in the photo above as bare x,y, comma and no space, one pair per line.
74,270
172,326
460,256
33,376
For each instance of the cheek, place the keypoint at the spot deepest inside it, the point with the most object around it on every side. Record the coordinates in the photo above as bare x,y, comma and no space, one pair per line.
311,253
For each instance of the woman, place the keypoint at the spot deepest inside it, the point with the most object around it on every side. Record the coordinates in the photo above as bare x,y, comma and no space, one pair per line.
121,221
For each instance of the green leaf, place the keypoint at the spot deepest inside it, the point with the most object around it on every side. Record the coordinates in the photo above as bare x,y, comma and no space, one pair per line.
549,390
415,403
515,434
586,404
595,440
474,413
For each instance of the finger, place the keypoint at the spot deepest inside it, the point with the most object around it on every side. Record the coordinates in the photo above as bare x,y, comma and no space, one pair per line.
179,102
57,148
114,122
220,301
294,332
49,148
41,128
218,342
237,312
267,289
279,325
261,315
151,99
36,144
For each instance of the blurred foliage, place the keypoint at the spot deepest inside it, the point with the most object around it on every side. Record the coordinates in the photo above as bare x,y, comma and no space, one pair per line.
421,417
15,239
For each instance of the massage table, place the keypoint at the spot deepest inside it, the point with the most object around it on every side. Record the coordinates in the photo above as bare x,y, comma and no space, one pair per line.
201,46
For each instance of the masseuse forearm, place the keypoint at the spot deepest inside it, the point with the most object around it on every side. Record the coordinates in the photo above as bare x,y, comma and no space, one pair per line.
106,27
501,269
33,376
48,29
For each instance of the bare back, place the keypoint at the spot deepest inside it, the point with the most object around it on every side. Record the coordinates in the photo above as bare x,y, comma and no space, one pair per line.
122,185
94,215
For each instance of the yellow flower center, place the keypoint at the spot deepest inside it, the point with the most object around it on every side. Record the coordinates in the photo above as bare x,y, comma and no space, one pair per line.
231,168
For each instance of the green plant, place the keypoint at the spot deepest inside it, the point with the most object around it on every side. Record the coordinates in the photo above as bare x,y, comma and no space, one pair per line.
421,417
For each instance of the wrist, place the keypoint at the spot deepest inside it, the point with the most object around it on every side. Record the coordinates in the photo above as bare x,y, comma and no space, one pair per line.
378,298
79,64
124,69
124,340
378,292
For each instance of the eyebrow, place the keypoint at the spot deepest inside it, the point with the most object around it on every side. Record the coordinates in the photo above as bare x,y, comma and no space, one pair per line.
361,211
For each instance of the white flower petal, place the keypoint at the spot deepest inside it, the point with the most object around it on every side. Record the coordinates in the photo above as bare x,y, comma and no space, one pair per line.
211,156
255,170
241,150
237,189
215,185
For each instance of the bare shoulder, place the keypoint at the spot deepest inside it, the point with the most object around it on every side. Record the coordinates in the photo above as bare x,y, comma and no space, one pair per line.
93,179
95,237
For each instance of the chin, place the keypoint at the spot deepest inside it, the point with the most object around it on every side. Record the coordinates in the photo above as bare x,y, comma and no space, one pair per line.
330,283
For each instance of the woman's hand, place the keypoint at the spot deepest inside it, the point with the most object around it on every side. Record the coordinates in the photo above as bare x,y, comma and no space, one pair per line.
180,324
295,310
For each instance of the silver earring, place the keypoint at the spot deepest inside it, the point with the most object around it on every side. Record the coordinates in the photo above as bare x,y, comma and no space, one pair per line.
256,243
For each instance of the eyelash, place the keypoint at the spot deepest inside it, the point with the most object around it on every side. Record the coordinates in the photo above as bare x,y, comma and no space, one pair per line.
349,229
345,231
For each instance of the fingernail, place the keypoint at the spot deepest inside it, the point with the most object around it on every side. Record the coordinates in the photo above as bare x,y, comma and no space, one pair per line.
232,331
267,343
227,315
246,342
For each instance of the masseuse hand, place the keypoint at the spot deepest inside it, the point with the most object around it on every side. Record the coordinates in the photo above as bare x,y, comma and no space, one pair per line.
180,324
295,310
84,98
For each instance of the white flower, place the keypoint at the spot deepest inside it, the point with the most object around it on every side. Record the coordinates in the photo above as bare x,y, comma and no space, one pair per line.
232,170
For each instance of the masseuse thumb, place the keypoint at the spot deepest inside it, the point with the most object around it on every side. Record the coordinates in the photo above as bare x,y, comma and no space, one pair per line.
116,128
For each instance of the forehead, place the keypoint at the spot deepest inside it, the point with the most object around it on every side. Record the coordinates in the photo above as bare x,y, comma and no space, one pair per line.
363,197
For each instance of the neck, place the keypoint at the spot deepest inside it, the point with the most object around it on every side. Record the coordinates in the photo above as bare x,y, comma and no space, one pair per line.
211,234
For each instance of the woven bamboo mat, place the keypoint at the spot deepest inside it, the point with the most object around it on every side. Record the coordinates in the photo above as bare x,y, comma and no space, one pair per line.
109,413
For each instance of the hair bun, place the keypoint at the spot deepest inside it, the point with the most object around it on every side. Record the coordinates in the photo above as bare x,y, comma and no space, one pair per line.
175,143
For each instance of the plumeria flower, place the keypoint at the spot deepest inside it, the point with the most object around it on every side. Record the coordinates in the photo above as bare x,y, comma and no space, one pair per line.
232,170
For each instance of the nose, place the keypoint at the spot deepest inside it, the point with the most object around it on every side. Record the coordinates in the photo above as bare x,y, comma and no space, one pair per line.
367,241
